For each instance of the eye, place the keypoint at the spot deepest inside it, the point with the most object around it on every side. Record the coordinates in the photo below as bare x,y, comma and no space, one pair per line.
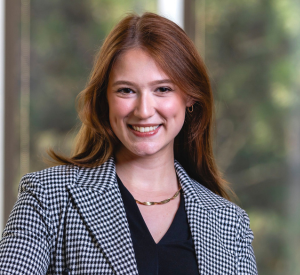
164,89
125,91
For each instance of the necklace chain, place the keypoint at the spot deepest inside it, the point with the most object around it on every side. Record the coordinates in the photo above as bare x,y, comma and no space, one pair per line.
148,203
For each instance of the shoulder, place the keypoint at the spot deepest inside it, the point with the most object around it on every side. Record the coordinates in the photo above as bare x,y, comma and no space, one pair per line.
227,218
214,202
220,211
61,176
53,176
220,207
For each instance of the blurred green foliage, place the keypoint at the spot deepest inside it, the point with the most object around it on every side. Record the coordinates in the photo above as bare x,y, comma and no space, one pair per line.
65,37
249,52
249,55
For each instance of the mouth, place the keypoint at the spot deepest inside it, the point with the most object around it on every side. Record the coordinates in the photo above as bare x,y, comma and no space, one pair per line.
144,129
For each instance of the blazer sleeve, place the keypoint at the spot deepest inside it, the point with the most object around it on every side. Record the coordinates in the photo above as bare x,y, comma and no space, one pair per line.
26,240
246,264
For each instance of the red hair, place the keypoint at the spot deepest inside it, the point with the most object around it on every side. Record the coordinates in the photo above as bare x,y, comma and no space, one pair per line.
177,56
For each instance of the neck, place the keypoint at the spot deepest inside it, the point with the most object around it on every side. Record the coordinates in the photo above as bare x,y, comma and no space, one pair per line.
150,174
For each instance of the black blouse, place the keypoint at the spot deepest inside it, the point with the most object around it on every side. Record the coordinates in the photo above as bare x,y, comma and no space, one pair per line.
173,254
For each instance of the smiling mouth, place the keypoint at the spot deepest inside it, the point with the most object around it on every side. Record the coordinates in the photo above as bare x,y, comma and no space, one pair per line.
144,129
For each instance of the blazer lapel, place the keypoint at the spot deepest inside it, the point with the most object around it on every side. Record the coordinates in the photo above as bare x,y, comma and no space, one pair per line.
199,204
100,204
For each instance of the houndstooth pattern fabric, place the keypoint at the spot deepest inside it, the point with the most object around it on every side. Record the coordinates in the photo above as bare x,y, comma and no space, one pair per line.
72,217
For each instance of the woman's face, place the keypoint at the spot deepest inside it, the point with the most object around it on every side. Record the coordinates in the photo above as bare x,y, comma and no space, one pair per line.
146,109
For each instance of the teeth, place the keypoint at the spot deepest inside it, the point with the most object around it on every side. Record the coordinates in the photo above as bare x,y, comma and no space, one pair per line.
144,129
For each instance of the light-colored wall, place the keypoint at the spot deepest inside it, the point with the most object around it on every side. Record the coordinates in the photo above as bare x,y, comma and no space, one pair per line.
2,93
173,10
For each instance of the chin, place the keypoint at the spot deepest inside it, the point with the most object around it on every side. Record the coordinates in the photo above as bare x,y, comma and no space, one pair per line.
145,153
148,150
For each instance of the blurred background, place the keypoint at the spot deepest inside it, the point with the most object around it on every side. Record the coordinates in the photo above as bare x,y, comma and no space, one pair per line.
252,52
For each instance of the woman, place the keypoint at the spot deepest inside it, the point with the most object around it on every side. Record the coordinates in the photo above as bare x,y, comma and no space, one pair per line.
122,204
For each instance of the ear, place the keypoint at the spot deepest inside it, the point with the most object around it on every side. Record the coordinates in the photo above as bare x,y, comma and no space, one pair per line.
189,102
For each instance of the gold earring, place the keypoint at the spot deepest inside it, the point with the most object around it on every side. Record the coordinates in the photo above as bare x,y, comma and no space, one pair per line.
190,110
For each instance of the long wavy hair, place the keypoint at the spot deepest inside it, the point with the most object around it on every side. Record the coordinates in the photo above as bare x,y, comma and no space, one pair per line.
177,56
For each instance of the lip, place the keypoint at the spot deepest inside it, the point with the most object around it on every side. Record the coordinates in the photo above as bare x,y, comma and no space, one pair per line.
147,134
145,125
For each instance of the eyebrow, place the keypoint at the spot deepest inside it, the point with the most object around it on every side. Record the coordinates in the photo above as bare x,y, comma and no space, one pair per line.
124,82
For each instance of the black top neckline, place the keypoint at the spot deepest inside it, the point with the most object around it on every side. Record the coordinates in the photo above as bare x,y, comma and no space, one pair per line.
167,237
173,254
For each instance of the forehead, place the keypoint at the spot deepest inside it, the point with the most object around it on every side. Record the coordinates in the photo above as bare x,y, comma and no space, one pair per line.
138,64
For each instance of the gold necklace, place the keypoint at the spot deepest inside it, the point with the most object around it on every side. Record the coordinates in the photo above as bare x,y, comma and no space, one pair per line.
148,203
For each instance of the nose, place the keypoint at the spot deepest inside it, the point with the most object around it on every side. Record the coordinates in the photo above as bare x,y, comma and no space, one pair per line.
145,106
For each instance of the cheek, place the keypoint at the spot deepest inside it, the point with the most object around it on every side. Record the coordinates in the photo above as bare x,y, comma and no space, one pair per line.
174,109
118,109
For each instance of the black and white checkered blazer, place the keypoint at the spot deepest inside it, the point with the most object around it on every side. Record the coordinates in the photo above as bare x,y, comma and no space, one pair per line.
68,216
